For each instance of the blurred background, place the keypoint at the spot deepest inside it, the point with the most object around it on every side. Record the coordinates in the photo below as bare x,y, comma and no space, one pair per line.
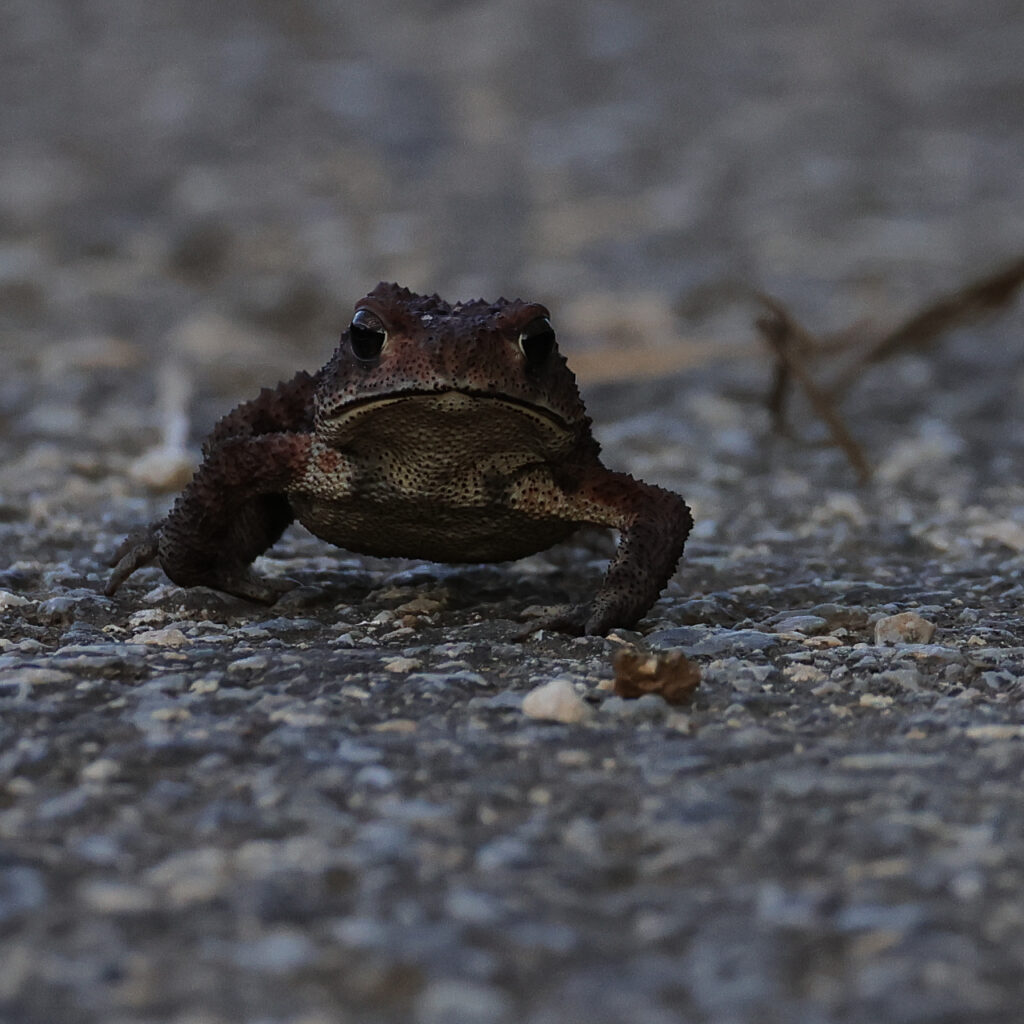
193,194
223,180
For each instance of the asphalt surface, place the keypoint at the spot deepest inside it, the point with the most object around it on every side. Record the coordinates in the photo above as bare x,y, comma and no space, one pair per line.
337,809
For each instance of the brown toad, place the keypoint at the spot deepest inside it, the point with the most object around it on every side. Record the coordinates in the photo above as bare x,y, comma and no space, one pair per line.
454,433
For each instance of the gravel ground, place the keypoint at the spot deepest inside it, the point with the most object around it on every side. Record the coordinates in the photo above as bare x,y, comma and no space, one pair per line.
337,810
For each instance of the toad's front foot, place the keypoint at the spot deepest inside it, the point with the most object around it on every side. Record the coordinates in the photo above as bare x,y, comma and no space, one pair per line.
139,548
143,546
573,619
248,585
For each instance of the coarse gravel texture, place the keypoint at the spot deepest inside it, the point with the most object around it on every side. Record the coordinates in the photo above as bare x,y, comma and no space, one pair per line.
336,810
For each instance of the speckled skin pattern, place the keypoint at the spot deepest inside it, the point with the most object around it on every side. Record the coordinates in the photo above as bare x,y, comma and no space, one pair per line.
454,433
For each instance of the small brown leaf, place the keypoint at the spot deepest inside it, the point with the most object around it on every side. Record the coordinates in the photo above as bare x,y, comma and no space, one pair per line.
668,673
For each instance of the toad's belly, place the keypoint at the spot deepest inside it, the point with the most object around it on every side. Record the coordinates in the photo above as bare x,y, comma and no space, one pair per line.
399,529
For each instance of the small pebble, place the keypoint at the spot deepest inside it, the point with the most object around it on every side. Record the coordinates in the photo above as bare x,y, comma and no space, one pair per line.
821,642
399,725
556,701
36,677
101,770
253,663
995,733
680,722
402,665
420,606
809,625
169,637
905,628
804,674
875,700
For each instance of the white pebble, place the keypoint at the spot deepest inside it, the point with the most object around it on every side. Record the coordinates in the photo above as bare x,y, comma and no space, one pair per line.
169,637
402,665
556,701
875,700
101,770
905,628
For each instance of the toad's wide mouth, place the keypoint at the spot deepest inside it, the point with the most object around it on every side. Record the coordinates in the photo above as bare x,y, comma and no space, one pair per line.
451,400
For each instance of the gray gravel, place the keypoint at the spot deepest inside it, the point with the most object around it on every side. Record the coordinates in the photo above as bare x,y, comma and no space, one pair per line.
336,810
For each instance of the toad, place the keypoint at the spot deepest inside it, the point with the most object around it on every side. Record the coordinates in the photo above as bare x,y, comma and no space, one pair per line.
454,433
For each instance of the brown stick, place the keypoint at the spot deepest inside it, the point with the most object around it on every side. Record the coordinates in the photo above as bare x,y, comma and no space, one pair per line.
792,343
953,309
794,346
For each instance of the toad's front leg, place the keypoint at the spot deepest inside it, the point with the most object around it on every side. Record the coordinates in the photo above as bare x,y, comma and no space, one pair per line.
234,508
653,525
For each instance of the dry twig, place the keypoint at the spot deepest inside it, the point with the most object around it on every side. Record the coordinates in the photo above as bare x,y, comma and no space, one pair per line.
792,344
795,348
953,309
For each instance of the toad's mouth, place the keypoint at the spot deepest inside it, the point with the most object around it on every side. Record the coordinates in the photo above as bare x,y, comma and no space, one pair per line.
450,401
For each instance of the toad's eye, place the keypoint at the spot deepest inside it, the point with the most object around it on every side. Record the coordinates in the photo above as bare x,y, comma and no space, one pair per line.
366,335
537,340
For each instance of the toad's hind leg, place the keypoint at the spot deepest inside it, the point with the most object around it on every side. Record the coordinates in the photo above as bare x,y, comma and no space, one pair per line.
139,548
